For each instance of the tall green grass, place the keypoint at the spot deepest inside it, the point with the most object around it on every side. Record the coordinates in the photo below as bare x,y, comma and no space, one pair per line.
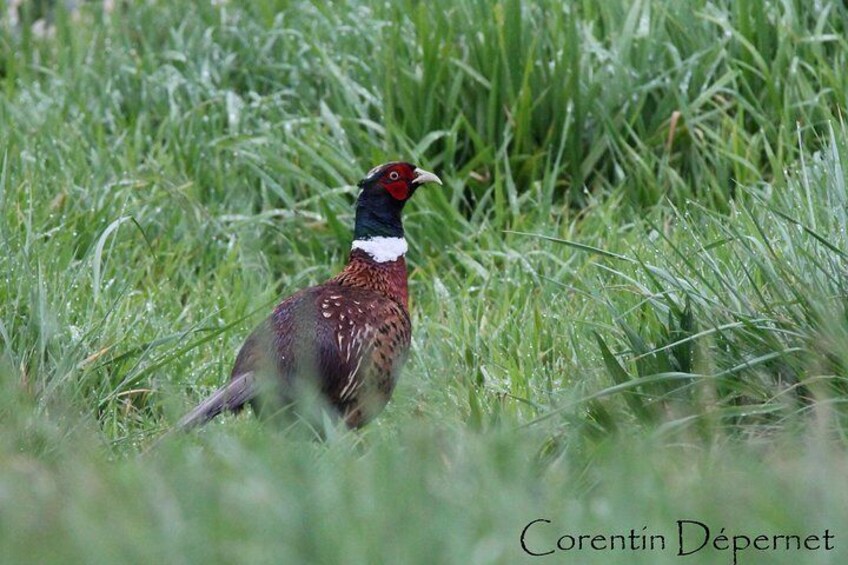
735,317
658,98
628,299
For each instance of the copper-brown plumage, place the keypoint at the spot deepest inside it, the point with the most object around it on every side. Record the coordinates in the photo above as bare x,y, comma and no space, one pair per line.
345,341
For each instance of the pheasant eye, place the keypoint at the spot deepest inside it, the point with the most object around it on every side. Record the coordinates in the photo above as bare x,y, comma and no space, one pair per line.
394,175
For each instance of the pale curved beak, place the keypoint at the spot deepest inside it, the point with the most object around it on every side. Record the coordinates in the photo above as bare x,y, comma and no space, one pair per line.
423,177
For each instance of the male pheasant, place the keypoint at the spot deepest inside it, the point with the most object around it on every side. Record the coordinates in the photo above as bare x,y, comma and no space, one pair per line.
342,342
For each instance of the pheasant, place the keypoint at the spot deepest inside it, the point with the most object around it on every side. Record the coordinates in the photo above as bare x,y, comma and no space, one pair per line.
341,343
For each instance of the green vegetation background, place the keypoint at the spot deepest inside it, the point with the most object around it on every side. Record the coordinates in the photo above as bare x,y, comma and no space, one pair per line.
629,298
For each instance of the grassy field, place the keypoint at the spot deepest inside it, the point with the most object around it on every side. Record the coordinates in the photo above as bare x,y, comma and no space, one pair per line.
629,299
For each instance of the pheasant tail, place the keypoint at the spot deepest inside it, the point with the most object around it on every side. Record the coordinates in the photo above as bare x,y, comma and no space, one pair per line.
230,398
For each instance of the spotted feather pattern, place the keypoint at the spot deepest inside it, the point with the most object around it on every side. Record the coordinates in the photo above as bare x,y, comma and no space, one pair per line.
348,337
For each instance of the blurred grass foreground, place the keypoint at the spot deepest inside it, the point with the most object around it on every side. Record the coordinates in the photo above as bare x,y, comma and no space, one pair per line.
629,299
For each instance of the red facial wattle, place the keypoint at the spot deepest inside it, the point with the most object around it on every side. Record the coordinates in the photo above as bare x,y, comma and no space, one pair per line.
399,189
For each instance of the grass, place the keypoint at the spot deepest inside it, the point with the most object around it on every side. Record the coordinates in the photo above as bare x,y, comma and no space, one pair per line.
628,299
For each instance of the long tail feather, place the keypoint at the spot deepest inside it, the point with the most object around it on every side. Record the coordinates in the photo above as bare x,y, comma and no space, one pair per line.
230,398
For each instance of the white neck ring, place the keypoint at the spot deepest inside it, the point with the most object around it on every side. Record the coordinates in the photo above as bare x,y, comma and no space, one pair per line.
382,249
